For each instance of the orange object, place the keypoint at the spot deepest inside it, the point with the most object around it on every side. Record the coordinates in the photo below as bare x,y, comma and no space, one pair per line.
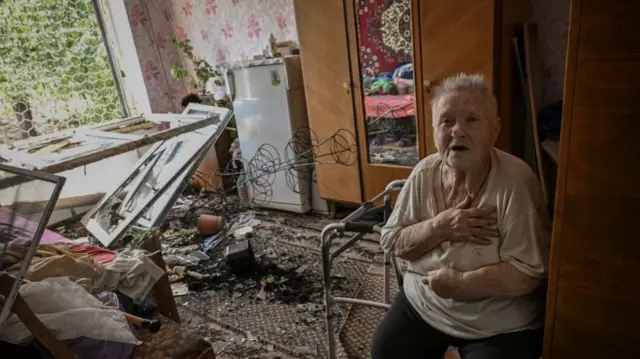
210,224
207,178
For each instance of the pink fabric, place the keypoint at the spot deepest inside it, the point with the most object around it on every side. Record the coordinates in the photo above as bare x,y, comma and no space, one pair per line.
99,255
28,227
390,106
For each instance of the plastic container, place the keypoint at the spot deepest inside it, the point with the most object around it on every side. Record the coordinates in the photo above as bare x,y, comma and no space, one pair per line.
243,190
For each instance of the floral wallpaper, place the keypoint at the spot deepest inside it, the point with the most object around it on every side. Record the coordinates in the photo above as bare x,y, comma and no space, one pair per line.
220,31
230,30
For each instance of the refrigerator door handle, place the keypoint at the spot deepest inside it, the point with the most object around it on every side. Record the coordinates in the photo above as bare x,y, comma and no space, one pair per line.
229,83
286,77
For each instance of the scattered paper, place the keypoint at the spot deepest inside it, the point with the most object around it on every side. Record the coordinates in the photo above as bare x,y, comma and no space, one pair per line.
179,289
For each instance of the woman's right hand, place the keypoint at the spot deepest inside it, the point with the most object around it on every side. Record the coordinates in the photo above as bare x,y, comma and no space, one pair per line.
463,223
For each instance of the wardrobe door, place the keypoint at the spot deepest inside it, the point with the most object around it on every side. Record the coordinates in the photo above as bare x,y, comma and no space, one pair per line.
382,58
456,36
322,35
593,308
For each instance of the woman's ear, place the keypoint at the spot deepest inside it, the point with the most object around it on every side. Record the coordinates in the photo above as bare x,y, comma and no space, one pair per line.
496,127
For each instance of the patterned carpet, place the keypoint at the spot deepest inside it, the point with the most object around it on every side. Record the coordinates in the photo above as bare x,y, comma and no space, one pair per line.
295,329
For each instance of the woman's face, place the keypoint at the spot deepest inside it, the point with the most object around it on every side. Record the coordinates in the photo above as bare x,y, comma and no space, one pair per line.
465,128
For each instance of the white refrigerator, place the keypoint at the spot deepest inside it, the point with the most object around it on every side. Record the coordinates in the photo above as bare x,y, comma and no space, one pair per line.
269,106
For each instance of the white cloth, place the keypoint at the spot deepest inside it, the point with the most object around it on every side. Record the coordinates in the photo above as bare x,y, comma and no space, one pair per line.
133,273
65,308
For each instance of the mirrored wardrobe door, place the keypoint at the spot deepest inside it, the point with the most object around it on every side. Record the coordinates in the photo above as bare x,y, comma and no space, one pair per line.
382,46
385,52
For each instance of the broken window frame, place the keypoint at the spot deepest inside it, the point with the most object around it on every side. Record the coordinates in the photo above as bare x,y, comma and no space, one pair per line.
197,107
171,187
178,124
171,195
5,183
104,141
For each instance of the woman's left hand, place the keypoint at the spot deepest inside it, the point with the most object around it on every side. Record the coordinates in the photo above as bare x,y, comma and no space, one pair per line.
445,282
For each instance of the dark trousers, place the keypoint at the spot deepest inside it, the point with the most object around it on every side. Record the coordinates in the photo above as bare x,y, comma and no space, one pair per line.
403,334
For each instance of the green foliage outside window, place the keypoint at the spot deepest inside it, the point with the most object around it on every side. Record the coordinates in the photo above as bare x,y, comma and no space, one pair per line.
53,59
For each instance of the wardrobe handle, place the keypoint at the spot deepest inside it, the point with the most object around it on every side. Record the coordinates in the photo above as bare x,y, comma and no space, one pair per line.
428,85
347,86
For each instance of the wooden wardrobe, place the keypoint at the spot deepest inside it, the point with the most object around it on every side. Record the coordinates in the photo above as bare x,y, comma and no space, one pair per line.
593,302
444,37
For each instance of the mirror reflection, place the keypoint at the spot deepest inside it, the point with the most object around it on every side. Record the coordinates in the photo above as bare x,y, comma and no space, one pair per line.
386,65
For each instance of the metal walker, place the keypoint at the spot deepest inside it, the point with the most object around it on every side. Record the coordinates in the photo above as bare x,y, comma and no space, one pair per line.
353,223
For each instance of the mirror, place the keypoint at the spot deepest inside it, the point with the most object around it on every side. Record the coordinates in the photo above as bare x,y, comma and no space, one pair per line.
386,66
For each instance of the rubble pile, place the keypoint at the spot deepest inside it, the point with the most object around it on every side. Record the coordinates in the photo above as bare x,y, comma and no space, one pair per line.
257,257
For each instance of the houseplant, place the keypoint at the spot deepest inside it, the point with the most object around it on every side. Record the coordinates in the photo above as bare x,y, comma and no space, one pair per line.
204,72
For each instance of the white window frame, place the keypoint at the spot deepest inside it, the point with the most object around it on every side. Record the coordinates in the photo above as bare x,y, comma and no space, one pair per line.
120,38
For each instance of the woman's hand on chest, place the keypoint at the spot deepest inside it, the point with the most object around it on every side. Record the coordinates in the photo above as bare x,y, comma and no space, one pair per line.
465,224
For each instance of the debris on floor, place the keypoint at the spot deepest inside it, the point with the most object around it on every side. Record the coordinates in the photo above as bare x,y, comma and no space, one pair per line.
249,280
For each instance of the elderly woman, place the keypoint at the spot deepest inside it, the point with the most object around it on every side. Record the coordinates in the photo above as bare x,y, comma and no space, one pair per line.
472,222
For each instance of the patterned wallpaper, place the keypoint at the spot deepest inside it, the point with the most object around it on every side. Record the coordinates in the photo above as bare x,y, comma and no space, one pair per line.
229,30
220,30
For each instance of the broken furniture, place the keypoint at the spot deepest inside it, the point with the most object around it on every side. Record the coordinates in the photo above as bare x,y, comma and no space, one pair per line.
593,308
42,334
15,183
93,157
172,340
429,35
240,258
153,185
73,148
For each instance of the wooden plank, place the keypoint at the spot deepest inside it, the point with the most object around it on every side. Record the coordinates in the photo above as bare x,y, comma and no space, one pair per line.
563,166
534,83
551,148
162,289
593,301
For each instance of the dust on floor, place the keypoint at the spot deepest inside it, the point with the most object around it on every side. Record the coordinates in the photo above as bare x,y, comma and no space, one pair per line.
278,311
289,322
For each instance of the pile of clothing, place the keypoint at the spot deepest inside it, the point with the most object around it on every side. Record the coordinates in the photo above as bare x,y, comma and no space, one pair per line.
398,82
76,290
96,269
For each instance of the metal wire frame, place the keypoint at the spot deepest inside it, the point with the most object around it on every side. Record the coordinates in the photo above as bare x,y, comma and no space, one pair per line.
337,230
41,114
58,183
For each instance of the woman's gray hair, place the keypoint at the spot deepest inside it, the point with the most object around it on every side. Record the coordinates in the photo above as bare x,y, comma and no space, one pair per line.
465,82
